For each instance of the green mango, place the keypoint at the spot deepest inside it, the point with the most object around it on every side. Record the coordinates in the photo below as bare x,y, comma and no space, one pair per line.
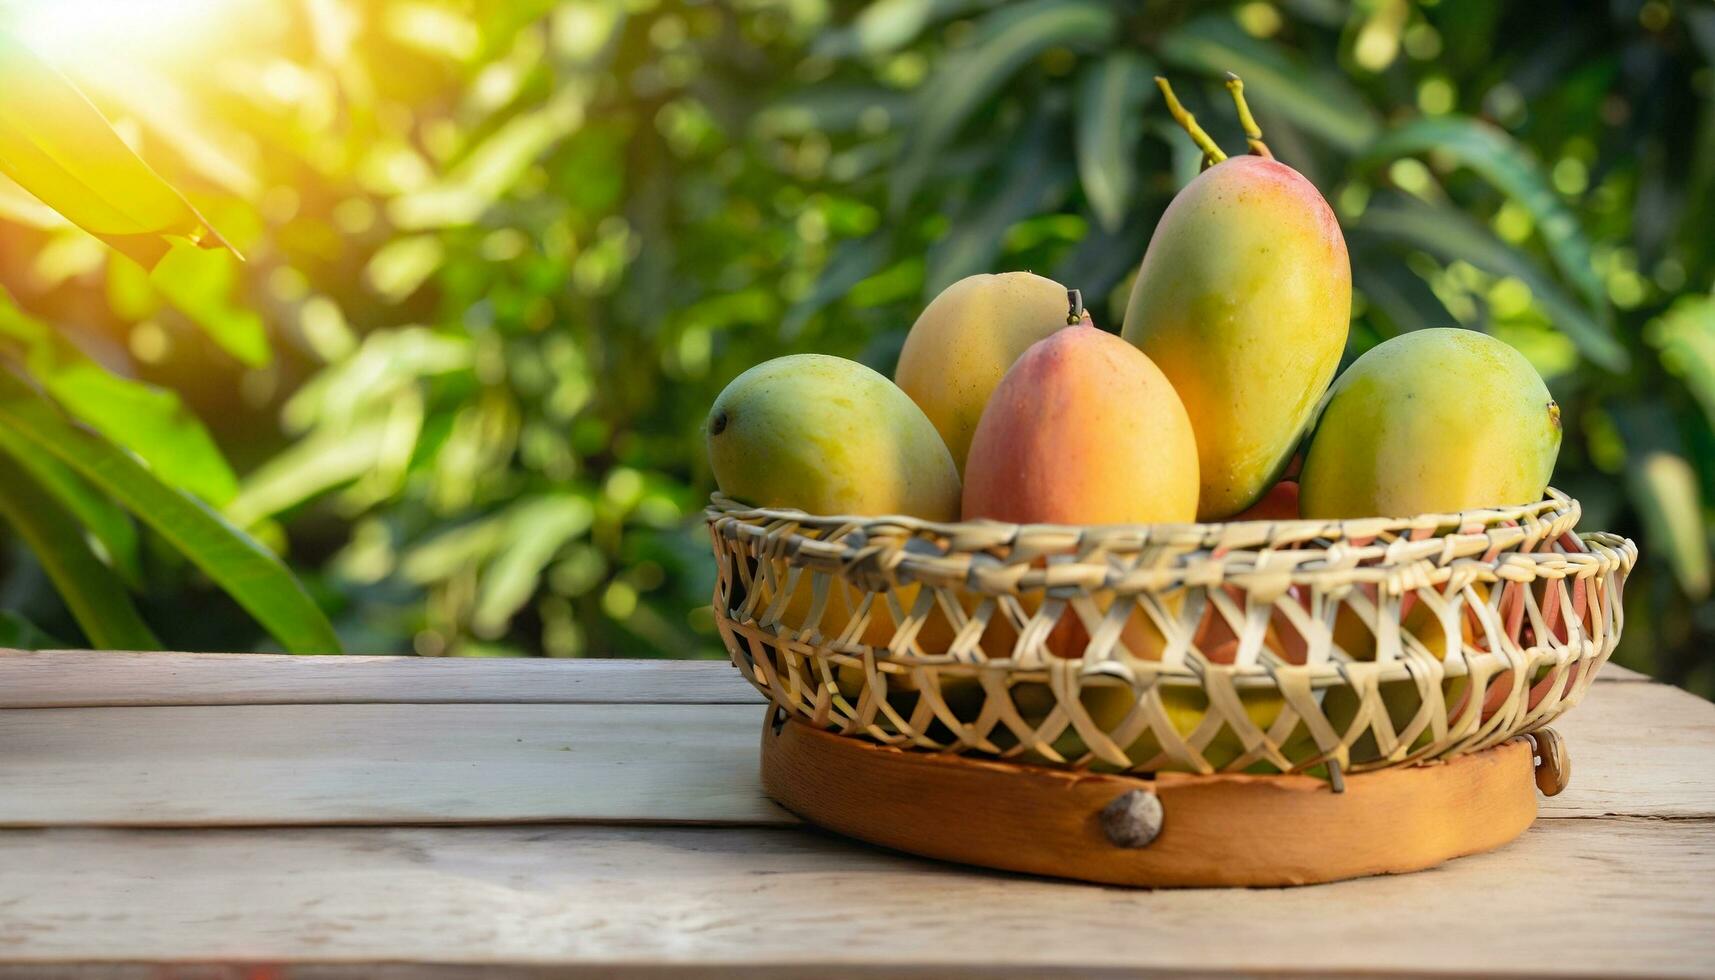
1243,300
1431,422
829,436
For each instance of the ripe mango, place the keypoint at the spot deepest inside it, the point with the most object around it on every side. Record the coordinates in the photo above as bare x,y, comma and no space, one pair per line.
964,342
829,436
1434,421
1243,300
1084,429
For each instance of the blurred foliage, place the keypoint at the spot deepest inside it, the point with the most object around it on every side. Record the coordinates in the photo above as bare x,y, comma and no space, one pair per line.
501,257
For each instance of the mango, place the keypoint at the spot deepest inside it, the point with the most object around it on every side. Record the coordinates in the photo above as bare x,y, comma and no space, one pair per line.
1243,300
964,342
1084,429
1434,421
829,436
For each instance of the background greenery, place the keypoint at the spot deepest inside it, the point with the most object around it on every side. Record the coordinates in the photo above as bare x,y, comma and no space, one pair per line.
501,257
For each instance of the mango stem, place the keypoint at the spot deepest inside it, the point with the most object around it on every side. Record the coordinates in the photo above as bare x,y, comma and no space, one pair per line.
1253,132
1211,152
1075,307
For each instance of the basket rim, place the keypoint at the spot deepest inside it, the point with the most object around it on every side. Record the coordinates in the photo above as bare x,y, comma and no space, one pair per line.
994,558
1555,504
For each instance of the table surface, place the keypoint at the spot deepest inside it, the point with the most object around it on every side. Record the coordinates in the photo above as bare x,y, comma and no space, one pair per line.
377,816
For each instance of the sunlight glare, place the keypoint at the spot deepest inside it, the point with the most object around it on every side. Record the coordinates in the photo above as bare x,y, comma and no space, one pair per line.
76,30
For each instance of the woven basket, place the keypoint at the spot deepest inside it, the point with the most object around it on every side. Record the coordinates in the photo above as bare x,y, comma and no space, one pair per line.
1299,646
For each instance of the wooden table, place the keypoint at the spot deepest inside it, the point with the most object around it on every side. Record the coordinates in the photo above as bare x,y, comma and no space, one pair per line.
230,816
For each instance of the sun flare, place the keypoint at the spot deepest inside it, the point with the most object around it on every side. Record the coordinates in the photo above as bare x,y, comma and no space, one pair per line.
77,30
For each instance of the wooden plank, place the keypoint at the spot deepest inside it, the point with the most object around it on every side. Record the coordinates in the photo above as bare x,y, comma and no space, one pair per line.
1612,672
382,763
1572,897
82,678
1636,749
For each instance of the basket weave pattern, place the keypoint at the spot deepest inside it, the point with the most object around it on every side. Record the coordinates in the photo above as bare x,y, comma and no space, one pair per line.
1259,646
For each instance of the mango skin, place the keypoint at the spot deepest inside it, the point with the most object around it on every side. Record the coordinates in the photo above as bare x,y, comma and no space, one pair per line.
1084,429
829,436
1244,300
1431,422
965,340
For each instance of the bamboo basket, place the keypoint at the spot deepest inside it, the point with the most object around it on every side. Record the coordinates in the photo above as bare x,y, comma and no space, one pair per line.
1306,653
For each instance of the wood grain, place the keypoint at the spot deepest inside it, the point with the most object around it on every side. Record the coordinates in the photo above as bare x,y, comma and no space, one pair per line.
1221,830
381,763
82,678
1637,749
1584,897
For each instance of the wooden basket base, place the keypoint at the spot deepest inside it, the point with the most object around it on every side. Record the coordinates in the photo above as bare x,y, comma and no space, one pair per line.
1221,830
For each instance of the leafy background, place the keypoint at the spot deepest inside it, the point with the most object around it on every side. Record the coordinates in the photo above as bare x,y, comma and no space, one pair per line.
501,257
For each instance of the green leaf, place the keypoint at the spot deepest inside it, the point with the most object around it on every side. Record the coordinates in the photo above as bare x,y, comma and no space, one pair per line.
200,284
1034,179
101,517
19,206
1685,335
330,458
1663,486
1316,101
388,361
1496,157
249,573
467,545
1109,122
492,167
1005,41
885,26
1451,235
172,111
18,633
93,592
57,145
148,421
400,267
852,261
535,532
